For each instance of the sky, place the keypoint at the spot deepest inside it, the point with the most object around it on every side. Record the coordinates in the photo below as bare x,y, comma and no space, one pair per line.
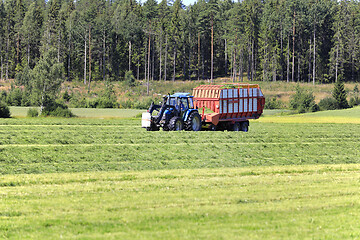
184,2
188,2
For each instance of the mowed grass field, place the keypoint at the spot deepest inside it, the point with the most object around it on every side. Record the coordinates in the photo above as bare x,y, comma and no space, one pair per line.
86,112
110,179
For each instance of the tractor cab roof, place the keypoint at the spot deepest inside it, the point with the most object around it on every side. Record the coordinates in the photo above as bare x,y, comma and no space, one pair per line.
181,95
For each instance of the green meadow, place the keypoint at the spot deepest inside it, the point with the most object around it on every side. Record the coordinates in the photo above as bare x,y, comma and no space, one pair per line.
289,177
350,116
103,113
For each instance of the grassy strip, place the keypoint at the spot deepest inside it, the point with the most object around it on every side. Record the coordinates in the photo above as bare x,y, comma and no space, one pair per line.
297,202
107,145
350,116
86,112
105,113
109,158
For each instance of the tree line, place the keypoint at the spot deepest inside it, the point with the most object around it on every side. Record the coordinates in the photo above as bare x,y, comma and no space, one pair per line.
272,40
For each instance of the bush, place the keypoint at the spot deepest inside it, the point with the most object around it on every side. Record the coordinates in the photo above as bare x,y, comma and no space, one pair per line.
100,102
78,102
273,103
55,109
14,98
129,78
314,108
3,96
32,112
26,99
302,100
4,110
356,89
66,96
137,104
61,112
104,102
354,101
107,98
328,103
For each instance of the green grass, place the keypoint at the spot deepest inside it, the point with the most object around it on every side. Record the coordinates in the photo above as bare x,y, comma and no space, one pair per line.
277,112
105,113
77,145
86,112
91,178
350,116
291,202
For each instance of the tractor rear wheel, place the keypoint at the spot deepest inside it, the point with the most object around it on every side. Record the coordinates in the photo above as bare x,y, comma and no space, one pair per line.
176,124
193,122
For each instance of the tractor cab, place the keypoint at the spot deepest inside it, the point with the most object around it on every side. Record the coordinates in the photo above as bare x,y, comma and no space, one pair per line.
181,101
177,112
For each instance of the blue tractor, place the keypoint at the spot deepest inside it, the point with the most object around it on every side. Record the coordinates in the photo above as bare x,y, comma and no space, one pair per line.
176,113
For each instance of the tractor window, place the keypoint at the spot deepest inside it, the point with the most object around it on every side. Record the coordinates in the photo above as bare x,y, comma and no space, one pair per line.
184,103
171,101
191,103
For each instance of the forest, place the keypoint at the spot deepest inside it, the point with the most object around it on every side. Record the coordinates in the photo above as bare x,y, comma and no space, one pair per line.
271,40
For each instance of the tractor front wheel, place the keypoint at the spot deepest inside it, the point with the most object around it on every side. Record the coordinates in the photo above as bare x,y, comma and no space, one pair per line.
193,122
176,124
153,127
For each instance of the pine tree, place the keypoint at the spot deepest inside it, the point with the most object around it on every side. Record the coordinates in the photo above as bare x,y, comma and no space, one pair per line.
52,25
212,10
253,9
340,94
269,42
235,28
128,25
103,29
150,12
2,38
31,30
175,32
223,17
319,11
163,32
19,16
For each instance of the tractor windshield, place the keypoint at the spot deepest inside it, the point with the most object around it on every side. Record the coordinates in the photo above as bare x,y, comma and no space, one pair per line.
171,101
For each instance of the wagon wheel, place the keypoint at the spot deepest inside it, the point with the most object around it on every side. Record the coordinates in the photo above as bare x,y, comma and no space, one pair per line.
236,127
245,126
212,127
